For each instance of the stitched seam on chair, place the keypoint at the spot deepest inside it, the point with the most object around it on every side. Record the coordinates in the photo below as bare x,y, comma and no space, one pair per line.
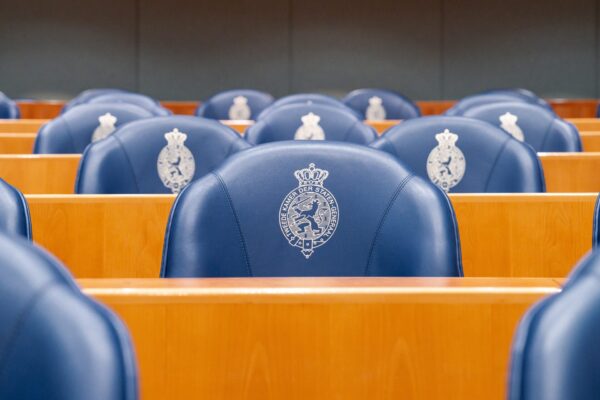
595,228
457,248
487,182
25,206
237,222
20,321
128,162
546,135
348,130
399,189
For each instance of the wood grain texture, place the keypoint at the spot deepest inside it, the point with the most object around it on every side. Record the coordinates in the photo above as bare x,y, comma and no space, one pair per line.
21,125
537,235
321,338
590,140
571,172
46,109
574,108
17,143
40,174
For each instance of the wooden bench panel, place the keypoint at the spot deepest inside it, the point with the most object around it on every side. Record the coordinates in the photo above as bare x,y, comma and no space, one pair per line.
46,109
17,143
181,107
571,172
586,124
539,235
574,108
374,338
40,174
21,125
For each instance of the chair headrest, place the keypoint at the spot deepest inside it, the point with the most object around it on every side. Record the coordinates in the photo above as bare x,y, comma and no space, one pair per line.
235,104
72,131
311,209
139,100
306,98
87,95
536,126
472,156
310,122
14,212
379,104
157,155
493,97
45,318
8,108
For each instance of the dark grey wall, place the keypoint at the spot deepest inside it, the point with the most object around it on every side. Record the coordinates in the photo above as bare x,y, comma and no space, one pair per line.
189,49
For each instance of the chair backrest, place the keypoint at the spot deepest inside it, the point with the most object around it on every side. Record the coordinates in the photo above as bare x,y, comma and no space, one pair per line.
311,209
55,342
306,98
536,126
555,353
235,104
523,94
72,131
596,227
310,122
464,155
87,95
379,104
487,98
157,155
140,100
14,212
8,108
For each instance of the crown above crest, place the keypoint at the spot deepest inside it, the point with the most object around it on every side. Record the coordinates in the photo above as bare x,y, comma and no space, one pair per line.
175,137
107,119
310,119
446,138
240,100
375,100
508,119
311,175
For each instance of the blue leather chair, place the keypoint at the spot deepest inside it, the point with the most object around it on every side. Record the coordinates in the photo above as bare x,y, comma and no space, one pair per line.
55,342
493,97
14,212
555,353
223,105
306,98
311,209
157,155
596,227
145,102
72,131
473,156
324,123
523,94
538,127
87,95
8,108
394,105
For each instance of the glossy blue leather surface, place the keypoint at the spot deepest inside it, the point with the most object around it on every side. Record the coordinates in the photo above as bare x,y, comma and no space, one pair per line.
306,98
523,94
72,131
395,104
87,95
387,222
14,212
8,108
493,97
283,122
145,102
542,130
495,161
126,161
55,342
555,355
217,107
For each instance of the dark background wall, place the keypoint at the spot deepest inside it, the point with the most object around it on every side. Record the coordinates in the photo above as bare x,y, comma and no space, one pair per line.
189,49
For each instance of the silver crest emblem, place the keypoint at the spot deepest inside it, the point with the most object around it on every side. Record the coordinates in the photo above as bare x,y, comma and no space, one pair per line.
375,110
508,122
308,216
106,127
310,128
240,109
176,165
446,163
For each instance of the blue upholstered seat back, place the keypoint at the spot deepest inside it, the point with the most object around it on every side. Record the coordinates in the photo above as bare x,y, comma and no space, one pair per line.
72,131
493,161
492,97
337,124
306,98
396,106
14,212
311,209
55,342
8,108
140,100
87,95
127,161
219,105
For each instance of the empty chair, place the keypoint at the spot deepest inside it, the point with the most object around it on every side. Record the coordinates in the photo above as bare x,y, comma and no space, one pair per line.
492,97
14,212
378,104
309,122
8,108
523,94
157,155
72,131
311,209
55,342
235,104
464,155
306,98
87,95
145,102
555,353
528,123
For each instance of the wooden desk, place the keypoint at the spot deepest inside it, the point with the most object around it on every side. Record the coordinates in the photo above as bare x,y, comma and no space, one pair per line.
21,125
181,107
586,124
571,172
434,107
322,338
574,108
590,140
47,109
539,235
45,174
17,143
